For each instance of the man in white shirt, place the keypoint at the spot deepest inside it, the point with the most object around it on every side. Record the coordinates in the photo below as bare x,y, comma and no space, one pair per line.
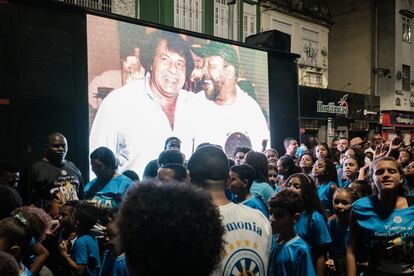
223,108
247,232
135,120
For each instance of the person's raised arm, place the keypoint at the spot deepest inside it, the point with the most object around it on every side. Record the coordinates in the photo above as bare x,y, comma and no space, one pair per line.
40,260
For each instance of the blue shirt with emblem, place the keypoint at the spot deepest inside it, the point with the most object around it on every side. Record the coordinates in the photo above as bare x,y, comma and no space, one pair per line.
313,229
110,195
291,258
388,238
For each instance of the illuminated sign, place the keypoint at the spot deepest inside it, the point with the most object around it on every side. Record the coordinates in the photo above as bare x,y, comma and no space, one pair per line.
341,108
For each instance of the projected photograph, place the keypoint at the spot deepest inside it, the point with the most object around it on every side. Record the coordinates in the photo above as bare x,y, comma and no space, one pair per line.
146,84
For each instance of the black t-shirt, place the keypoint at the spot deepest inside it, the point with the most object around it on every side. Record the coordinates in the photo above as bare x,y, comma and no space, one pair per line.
44,179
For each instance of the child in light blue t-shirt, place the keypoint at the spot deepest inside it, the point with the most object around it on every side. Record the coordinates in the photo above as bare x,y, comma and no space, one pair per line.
241,179
290,254
339,230
114,262
311,226
84,257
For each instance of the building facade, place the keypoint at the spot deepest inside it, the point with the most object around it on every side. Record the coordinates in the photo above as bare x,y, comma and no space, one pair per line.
234,20
308,27
372,53
306,22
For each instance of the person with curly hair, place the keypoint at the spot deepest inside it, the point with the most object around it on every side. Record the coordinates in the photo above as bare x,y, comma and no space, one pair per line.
321,151
167,226
23,231
248,233
239,154
8,265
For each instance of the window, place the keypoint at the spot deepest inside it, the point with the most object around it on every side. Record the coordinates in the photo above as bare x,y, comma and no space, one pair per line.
102,5
188,15
310,47
406,29
226,19
313,79
221,16
282,26
249,25
406,78
249,20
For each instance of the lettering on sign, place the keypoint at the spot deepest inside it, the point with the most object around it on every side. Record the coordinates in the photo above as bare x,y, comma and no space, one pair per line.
341,108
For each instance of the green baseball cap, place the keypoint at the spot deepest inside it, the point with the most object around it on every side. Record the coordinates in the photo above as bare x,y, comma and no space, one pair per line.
214,48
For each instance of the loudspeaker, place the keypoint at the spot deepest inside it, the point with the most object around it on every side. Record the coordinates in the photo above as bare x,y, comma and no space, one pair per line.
273,39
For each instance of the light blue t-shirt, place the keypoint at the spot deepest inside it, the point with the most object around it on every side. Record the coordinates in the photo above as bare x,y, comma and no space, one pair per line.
388,238
109,196
26,271
112,265
257,203
85,251
343,181
313,229
340,238
325,195
263,189
291,258
120,268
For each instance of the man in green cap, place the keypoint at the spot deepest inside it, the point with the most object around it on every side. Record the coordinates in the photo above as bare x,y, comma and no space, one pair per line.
222,107
220,72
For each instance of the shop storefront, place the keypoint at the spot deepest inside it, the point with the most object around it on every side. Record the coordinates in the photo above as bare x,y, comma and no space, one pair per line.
398,123
328,114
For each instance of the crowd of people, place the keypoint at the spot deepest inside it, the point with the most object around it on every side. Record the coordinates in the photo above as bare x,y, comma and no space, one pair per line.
340,209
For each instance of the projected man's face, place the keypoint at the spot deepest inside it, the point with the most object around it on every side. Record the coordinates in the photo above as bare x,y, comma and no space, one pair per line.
214,76
168,71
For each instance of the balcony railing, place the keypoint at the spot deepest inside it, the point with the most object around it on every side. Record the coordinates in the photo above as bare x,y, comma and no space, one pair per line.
101,5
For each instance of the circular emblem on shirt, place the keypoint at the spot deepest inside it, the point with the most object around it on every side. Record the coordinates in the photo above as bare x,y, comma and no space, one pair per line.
244,262
397,219
64,172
